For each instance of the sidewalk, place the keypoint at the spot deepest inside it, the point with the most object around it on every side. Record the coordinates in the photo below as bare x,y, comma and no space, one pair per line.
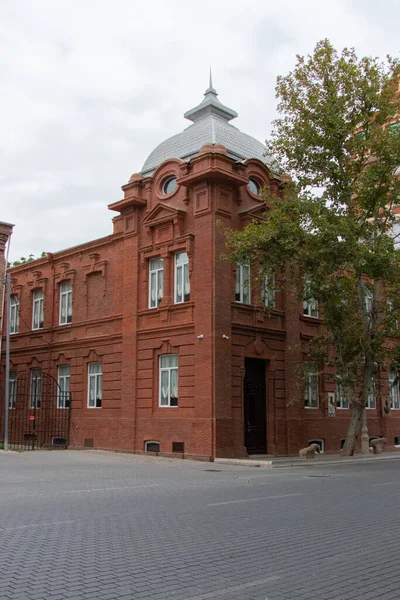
293,461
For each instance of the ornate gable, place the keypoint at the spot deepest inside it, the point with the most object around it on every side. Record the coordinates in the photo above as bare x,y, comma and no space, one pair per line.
164,223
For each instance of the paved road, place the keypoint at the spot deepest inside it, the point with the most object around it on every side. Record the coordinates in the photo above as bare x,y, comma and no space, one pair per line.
103,526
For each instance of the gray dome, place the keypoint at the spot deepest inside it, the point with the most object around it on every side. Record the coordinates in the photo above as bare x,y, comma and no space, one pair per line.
210,126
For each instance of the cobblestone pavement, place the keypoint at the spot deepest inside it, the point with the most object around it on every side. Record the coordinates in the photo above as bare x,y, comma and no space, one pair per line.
102,526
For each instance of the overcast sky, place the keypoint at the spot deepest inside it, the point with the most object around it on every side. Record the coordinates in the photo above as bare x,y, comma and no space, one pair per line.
88,88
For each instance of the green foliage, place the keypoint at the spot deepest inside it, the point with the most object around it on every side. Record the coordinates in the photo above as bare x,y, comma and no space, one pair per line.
23,260
333,227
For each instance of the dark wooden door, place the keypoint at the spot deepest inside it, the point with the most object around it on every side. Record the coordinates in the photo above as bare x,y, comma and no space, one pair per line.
255,406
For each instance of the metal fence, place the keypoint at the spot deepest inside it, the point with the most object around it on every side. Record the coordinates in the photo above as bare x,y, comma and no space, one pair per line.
39,412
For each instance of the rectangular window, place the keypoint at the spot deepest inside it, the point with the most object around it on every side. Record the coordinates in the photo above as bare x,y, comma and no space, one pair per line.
368,301
182,283
392,315
37,310
65,303
242,288
268,291
342,400
14,314
63,395
36,386
394,389
12,389
95,385
371,402
168,376
310,305
311,386
156,281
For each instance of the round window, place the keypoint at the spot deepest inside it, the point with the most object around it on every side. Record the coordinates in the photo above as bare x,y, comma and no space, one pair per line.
254,187
169,185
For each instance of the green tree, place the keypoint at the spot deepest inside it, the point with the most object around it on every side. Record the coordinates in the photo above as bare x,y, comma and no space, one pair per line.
334,225
23,260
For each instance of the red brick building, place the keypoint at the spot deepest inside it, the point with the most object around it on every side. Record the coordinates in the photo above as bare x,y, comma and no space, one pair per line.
164,345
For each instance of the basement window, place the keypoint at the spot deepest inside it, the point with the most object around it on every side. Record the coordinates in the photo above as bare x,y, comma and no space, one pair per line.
397,441
320,443
178,447
152,446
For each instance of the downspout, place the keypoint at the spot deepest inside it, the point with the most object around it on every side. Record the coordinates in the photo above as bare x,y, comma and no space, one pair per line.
213,417
49,257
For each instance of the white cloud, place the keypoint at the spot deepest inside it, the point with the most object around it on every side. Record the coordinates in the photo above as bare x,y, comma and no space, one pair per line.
88,89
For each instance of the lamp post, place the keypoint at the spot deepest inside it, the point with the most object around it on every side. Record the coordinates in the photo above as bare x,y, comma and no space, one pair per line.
7,378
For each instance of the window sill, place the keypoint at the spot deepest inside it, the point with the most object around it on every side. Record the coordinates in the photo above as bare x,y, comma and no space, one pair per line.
310,320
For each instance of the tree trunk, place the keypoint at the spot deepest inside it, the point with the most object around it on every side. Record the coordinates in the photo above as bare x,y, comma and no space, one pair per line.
353,431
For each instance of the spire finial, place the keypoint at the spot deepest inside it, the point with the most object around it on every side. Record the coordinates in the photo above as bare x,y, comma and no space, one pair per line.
210,84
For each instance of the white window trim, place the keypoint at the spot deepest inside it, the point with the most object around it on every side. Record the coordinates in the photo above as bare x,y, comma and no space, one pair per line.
320,441
391,381
68,296
167,369
157,272
38,306
151,442
14,314
181,268
97,377
268,291
241,283
340,388
368,299
61,402
310,305
372,393
311,374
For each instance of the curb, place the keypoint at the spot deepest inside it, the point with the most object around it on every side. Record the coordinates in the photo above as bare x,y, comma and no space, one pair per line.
274,464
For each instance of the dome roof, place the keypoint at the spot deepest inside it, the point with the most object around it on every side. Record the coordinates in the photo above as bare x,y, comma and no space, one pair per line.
210,125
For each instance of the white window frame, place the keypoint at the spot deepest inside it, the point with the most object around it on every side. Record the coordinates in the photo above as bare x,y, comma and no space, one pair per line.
371,402
168,371
242,285
311,386
268,291
182,281
14,313
318,441
12,389
64,383
155,274
393,314
37,309
394,391
65,303
341,395
95,384
368,299
35,389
